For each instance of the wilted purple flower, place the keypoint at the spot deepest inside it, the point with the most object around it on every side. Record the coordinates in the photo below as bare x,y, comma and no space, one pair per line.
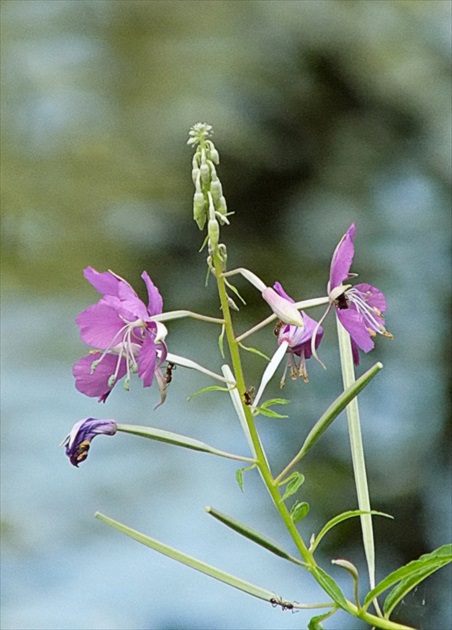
78,441
298,338
359,308
119,326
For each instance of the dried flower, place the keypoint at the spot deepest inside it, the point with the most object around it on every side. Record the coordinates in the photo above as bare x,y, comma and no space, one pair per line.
78,441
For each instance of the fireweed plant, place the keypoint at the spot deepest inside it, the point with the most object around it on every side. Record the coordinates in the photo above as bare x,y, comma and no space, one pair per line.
127,337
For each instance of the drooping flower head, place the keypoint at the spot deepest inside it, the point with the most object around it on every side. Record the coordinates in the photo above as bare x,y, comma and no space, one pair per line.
298,338
78,441
359,308
126,339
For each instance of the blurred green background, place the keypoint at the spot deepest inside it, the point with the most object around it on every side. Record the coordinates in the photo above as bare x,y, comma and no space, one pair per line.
325,112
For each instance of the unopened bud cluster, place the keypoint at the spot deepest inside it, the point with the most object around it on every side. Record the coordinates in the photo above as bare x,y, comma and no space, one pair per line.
208,201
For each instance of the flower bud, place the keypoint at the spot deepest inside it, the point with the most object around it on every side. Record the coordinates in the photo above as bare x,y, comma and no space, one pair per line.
216,190
199,209
78,441
213,231
195,176
205,173
214,155
284,309
221,207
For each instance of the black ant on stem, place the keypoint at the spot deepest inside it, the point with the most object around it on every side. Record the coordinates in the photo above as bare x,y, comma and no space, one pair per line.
284,605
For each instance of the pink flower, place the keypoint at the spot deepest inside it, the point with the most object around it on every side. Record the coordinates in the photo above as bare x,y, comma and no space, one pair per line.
126,339
359,308
298,338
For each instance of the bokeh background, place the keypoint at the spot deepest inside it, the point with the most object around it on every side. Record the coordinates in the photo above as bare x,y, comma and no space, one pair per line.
325,112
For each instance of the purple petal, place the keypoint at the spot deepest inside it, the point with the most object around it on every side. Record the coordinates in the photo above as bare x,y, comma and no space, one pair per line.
105,282
99,326
376,297
342,259
146,361
95,383
278,288
117,293
355,353
300,338
155,305
79,439
354,324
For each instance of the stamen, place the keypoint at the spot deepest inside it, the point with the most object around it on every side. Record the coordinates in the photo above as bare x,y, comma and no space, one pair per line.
359,299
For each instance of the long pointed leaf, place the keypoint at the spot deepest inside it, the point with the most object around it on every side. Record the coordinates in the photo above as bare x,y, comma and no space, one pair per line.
252,534
331,414
207,569
338,519
405,586
178,440
330,586
434,560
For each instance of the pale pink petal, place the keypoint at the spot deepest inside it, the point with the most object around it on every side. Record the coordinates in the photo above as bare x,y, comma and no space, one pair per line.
94,382
105,282
155,305
99,326
354,324
376,297
146,361
342,259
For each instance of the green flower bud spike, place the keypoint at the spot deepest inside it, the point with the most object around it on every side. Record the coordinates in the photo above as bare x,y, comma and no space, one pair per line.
208,202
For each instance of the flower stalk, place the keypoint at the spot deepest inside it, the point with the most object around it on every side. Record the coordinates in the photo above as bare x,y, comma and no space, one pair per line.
357,449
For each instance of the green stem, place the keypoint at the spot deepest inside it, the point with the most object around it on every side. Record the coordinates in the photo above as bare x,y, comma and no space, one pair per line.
262,463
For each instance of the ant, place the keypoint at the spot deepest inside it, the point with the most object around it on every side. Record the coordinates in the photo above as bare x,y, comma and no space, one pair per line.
169,372
280,602
277,328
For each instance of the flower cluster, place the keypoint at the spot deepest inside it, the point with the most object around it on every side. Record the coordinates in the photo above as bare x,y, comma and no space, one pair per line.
128,338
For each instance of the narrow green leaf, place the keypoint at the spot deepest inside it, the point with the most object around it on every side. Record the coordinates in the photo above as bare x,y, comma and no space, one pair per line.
235,290
254,351
177,440
269,413
338,519
239,475
299,510
252,534
211,388
336,407
294,481
331,414
427,563
275,401
330,586
239,478
189,561
315,622
404,587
